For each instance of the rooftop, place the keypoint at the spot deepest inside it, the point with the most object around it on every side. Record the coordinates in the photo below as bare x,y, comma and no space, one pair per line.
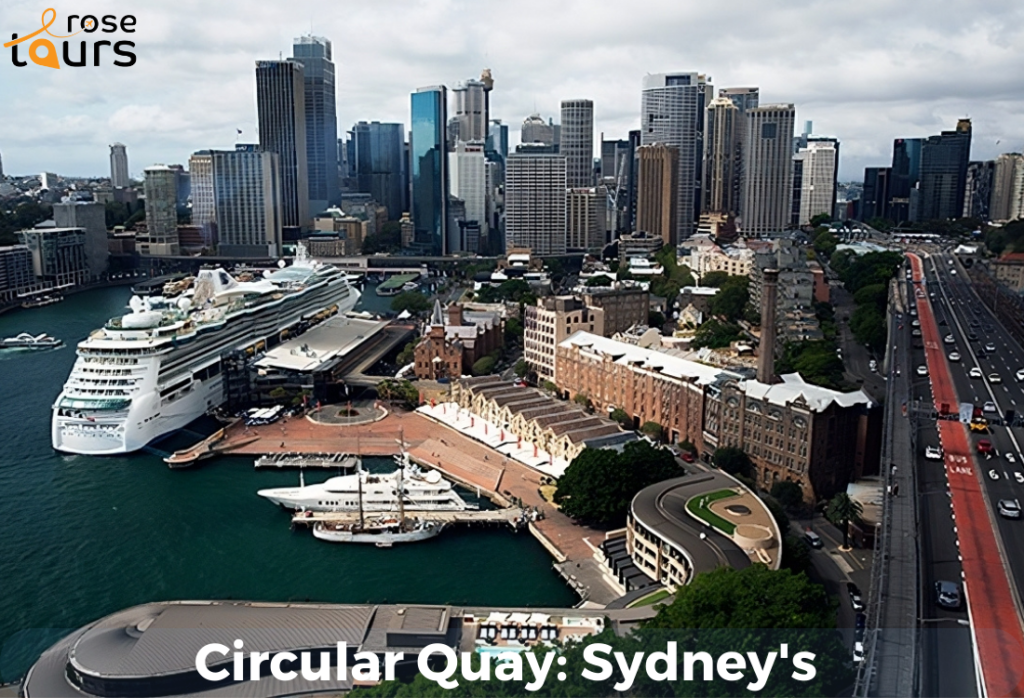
332,339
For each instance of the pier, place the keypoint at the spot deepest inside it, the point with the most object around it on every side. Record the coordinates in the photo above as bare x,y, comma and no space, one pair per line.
512,516
215,444
307,460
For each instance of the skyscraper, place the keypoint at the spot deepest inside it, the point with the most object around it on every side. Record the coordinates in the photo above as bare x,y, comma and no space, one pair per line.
119,166
820,159
768,169
586,216
91,217
281,108
672,112
470,99
468,180
722,155
314,53
657,189
745,99
904,195
237,200
380,164
535,202
944,161
576,142
497,139
1008,188
429,168
536,130
978,189
161,189
875,197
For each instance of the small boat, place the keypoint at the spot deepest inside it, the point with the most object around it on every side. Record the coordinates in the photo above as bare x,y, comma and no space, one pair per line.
383,532
41,301
27,341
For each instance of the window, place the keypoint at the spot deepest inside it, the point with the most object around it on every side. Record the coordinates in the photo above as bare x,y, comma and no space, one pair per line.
769,130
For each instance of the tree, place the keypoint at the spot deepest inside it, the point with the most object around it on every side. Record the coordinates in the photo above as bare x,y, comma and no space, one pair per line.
622,417
821,219
521,368
599,484
484,365
714,278
407,355
841,511
825,243
550,387
413,301
734,461
731,299
716,334
513,330
816,362
788,494
653,430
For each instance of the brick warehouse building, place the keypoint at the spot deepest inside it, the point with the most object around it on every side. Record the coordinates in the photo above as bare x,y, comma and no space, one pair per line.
816,437
455,340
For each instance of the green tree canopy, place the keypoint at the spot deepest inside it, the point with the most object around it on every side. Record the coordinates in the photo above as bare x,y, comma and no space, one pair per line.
521,368
600,280
599,484
788,494
622,417
484,365
715,279
841,511
733,460
816,362
716,334
413,301
821,219
731,299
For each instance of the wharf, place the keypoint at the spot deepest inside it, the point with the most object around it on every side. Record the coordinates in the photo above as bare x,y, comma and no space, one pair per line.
513,516
215,444
307,460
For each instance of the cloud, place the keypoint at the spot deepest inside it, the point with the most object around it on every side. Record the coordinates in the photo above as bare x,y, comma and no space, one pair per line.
867,72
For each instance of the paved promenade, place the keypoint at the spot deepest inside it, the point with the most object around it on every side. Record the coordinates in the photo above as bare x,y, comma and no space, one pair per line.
462,458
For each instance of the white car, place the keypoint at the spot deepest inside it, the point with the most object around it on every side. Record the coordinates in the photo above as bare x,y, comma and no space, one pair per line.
994,378
990,347
989,407
922,370
1009,508
954,356
873,365
993,474
933,453
948,339
953,272
917,323
858,652
1020,374
976,373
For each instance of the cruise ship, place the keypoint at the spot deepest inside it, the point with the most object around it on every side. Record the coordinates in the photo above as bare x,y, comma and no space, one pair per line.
157,368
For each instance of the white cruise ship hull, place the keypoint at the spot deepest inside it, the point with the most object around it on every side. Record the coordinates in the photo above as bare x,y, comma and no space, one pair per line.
130,387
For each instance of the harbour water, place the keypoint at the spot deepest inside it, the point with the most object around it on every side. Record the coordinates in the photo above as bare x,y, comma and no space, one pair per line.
82,537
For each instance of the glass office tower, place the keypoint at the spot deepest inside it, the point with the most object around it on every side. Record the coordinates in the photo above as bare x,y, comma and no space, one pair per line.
428,162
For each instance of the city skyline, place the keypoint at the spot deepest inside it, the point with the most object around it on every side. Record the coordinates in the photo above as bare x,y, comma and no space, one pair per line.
885,83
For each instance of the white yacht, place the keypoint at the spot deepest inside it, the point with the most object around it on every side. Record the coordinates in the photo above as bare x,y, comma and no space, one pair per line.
154,370
425,490
28,341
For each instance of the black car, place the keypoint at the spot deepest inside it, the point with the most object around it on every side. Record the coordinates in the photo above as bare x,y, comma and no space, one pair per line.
947,594
981,354
856,600
971,336
859,624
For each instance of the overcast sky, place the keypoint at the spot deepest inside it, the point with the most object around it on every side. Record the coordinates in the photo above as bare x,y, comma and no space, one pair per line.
866,71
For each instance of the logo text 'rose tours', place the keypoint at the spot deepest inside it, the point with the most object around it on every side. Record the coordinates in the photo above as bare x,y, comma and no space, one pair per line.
81,53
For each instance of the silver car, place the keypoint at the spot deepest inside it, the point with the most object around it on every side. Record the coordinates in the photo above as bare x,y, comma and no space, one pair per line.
1009,508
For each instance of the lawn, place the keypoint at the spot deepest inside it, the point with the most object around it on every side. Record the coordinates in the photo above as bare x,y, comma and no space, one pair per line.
699,506
651,599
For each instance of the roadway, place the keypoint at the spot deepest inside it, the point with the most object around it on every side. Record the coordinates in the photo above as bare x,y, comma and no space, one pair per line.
979,538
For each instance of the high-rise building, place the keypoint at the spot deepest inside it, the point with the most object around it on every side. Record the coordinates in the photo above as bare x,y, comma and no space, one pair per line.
161,236
817,192
380,165
586,212
428,166
468,180
745,98
497,139
237,200
978,189
119,166
1,167
91,217
672,112
58,255
944,161
768,169
904,195
314,53
1008,188
535,202
470,99
281,108
722,157
576,142
656,191
536,130
875,196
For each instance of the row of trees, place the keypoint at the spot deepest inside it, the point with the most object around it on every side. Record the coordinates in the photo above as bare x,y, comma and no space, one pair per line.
867,278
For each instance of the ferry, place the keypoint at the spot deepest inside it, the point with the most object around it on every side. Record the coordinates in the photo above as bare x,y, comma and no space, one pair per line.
152,371
27,341
41,301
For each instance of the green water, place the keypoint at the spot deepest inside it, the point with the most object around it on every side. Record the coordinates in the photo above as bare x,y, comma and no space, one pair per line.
82,537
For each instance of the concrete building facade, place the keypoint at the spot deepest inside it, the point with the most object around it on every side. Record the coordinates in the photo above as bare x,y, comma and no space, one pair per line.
161,236
58,255
586,216
768,169
548,323
1008,188
90,216
657,191
535,203
315,53
576,142
281,109
119,178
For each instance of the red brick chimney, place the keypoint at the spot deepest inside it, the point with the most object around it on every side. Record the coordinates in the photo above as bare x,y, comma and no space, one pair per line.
455,314
769,302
